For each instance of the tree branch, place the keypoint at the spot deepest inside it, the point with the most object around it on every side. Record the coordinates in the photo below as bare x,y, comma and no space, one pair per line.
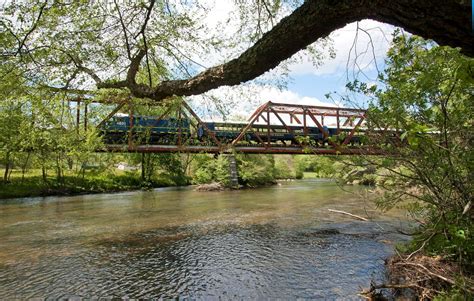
23,41
147,18
67,90
445,21
90,72
127,44
142,32
135,66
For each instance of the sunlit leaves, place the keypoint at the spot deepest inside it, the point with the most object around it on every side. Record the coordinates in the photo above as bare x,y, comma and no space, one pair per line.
182,38
427,98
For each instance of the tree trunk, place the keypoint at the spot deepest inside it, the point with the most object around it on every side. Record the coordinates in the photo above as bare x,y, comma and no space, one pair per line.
187,162
44,175
58,169
150,166
10,173
143,166
25,165
7,168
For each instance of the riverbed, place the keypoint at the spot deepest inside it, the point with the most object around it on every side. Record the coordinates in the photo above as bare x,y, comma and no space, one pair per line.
275,242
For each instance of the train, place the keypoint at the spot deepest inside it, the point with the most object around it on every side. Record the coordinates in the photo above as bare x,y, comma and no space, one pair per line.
149,130
145,129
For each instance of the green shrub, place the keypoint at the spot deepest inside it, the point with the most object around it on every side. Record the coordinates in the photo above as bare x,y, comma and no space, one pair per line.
256,170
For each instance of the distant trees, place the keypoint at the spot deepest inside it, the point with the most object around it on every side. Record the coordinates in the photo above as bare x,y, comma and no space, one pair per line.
13,129
43,132
253,169
256,170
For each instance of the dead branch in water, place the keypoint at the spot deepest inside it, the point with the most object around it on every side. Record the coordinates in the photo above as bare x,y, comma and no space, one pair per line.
350,214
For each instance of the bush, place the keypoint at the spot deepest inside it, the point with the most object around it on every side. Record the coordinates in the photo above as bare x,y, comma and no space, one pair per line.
283,169
256,170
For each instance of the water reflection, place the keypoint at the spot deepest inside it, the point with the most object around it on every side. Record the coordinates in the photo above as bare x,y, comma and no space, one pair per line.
277,242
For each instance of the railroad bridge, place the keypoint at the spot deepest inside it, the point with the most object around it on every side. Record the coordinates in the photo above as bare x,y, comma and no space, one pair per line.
274,128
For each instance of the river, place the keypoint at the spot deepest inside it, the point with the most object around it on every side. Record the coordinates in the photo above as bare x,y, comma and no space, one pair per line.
276,242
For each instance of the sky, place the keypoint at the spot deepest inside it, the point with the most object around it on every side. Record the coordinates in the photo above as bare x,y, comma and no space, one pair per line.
308,84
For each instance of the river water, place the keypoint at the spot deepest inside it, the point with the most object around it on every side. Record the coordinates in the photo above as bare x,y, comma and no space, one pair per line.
276,242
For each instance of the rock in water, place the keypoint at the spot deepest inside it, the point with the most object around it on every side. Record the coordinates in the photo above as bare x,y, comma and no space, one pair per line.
210,187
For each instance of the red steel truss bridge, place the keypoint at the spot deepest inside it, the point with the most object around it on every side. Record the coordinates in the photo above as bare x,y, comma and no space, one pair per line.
274,128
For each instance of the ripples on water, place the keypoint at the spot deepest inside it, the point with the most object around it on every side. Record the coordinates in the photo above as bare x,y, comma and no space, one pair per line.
203,258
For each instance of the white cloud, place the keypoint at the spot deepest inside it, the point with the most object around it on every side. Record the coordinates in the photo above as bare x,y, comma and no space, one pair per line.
346,49
287,96
219,12
238,103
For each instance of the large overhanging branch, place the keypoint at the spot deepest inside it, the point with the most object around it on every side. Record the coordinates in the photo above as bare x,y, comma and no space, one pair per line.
446,21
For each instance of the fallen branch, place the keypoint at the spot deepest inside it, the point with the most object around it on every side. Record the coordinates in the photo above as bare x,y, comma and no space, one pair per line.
432,274
371,293
350,214
427,271
467,208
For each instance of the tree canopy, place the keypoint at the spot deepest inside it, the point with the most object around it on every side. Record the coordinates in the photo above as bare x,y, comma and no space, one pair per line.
152,48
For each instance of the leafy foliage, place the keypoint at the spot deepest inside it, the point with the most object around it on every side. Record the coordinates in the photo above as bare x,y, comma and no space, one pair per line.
426,99
74,46
256,170
253,170
208,169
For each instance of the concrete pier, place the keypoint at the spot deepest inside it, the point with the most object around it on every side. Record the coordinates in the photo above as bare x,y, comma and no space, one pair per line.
233,173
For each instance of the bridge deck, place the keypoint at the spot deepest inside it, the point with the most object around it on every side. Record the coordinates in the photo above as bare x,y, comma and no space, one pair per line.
241,149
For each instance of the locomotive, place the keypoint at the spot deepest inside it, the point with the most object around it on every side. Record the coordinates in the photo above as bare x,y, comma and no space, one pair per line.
149,130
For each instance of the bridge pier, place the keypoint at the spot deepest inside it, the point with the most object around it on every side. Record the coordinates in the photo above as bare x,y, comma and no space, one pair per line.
233,173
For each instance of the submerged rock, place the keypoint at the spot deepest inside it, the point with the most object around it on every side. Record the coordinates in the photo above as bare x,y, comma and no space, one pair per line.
322,232
210,187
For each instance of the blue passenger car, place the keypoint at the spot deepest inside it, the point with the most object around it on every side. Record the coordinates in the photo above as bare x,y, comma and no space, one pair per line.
145,129
227,132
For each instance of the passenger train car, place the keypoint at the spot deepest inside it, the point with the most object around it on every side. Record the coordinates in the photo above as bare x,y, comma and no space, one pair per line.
149,130
145,129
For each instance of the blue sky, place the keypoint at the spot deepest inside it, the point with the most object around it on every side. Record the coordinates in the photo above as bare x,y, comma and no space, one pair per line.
317,86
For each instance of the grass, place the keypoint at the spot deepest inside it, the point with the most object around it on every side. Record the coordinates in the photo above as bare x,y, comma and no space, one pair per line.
310,175
93,182
33,185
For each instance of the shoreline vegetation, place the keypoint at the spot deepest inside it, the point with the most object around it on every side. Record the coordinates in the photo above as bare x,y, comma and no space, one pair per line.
169,170
106,173
204,171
